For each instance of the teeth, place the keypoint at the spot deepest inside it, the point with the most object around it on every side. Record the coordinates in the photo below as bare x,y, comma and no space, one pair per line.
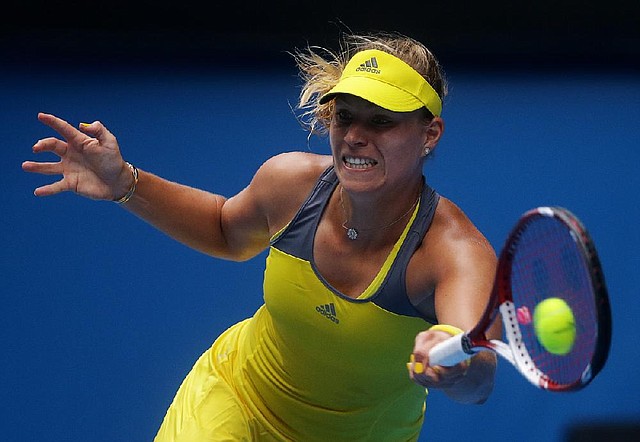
359,163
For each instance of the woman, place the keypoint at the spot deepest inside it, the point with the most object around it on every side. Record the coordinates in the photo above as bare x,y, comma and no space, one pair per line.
367,267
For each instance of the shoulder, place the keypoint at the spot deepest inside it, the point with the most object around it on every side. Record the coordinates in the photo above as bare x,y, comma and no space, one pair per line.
457,263
454,235
294,165
289,174
284,181
453,248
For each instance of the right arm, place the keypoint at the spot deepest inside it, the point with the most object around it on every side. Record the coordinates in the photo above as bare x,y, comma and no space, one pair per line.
236,228
196,217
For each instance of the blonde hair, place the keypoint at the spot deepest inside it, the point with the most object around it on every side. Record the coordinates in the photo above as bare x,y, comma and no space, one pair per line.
320,70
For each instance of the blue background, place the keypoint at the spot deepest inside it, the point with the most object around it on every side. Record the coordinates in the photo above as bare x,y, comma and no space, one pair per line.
102,316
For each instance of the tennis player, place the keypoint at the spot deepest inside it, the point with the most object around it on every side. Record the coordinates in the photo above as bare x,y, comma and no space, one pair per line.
368,266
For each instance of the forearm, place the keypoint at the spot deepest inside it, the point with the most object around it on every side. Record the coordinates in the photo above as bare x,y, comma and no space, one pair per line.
189,215
477,384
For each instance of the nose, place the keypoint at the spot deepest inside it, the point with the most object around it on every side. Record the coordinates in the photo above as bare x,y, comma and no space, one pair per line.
356,135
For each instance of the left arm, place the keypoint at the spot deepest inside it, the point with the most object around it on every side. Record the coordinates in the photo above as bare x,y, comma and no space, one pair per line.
462,267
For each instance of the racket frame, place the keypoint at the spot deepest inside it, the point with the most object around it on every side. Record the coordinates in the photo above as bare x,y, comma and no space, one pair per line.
501,303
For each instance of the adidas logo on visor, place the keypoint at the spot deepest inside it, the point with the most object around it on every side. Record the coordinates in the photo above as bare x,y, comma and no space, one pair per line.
371,65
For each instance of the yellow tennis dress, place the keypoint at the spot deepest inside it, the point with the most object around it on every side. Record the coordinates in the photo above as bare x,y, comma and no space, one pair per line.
312,364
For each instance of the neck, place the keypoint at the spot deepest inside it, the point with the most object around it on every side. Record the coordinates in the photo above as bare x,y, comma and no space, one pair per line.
378,216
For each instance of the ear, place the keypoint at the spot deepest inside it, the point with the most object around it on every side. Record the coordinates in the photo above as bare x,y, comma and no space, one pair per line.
432,135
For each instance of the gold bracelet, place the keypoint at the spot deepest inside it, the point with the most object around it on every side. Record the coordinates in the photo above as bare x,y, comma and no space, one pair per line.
129,194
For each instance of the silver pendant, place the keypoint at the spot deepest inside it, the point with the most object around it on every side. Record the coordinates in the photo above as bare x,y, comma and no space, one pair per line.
352,233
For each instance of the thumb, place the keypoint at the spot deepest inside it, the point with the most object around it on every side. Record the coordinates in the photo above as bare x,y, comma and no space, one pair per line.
96,130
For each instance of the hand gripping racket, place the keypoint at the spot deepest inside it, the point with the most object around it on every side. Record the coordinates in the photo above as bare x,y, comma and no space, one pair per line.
549,253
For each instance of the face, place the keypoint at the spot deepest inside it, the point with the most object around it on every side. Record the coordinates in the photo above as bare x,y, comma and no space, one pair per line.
374,148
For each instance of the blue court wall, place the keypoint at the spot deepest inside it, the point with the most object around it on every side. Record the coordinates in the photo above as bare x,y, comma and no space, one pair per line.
102,316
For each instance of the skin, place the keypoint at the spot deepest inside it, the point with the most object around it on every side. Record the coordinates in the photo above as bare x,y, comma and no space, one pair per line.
454,259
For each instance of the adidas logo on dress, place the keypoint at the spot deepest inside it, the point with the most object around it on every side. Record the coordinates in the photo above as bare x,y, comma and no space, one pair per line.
370,65
328,311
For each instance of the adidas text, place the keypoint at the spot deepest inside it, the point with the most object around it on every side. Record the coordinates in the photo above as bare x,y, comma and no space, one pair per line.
367,69
370,65
328,311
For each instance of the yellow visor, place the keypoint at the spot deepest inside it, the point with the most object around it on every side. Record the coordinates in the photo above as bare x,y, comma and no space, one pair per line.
386,81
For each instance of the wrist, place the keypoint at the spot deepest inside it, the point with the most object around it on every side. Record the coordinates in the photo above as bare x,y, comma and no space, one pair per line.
132,188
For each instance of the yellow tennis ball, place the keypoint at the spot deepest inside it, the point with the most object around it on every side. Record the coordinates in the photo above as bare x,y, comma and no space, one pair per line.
555,326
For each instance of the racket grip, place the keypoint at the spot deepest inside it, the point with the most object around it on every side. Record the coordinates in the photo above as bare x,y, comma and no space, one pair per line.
450,352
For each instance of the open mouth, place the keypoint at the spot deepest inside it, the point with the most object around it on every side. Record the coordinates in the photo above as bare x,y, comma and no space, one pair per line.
358,163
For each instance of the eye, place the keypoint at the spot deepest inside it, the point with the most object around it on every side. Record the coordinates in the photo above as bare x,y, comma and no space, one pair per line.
381,120
343,116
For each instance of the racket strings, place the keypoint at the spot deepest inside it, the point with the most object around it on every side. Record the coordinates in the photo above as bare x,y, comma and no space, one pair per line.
549,262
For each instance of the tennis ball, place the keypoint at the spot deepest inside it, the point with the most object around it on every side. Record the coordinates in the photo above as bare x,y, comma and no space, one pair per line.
555,326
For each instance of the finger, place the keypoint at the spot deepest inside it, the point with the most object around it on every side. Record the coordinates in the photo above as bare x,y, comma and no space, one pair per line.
421,374
51,189
416,366
42,168
97,130
67,131
51,144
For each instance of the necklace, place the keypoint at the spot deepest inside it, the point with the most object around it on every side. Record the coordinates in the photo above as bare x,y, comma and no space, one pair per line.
352,232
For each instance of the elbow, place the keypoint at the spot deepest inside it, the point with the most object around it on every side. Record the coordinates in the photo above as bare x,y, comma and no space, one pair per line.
235,254
227,255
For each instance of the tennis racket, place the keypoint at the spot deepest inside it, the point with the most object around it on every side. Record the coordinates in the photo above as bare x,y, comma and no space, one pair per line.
549,253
